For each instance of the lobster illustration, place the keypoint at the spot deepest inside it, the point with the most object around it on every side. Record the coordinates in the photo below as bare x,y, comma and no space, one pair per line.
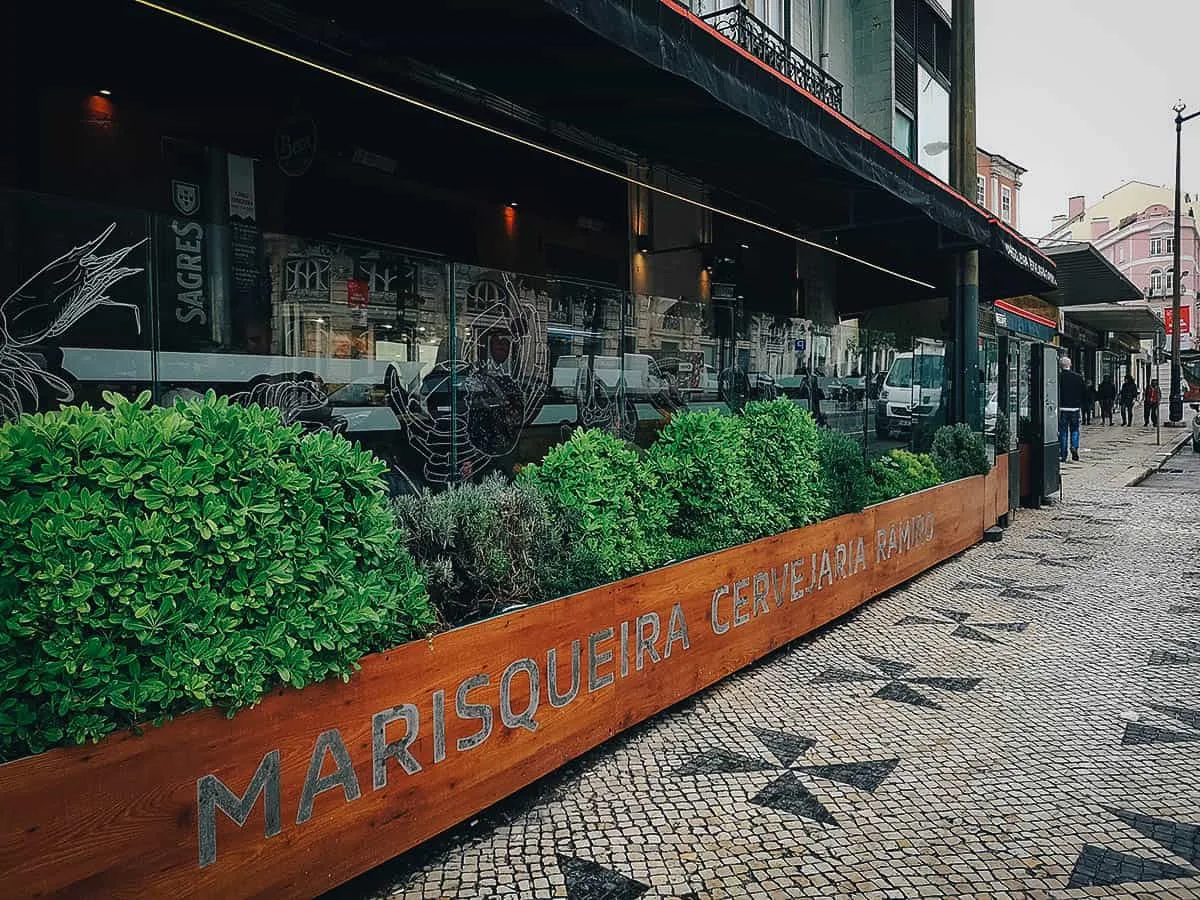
495,393
46,306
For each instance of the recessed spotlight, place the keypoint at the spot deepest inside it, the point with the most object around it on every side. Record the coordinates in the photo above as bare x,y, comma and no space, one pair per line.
105,92
512,205
745,246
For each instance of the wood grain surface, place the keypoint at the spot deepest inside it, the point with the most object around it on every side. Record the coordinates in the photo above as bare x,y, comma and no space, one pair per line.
122,818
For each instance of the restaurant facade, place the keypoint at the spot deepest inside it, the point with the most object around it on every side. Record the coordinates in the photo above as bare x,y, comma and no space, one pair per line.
455,234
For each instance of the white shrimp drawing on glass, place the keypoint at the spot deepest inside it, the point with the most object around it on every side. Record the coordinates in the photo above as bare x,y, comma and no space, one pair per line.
46,306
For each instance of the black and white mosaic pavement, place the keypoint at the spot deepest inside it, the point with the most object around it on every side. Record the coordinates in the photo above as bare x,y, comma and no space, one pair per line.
1021,722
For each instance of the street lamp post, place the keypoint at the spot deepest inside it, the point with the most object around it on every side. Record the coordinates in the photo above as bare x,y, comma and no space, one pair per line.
1175,409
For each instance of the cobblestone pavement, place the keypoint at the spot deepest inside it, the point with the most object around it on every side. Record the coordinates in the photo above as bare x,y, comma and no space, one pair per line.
1022,721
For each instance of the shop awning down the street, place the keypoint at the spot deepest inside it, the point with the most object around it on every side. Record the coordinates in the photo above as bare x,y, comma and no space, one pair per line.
1086,277
1135,318
659,83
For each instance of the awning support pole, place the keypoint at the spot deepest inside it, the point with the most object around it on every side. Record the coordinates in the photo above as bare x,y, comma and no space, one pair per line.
963,168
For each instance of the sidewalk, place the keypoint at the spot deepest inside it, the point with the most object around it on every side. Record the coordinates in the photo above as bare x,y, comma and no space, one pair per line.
1020,722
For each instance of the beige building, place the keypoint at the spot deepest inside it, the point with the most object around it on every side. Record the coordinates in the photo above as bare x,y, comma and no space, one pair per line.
1086,223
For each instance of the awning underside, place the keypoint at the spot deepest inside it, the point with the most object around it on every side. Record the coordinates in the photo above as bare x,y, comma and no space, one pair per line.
1085,276
1136,319
641,76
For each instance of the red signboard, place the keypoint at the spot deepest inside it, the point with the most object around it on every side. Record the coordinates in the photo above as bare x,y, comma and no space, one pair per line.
1185,317
358,293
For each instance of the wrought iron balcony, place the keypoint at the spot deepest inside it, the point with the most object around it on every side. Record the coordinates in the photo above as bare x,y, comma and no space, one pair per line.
754,36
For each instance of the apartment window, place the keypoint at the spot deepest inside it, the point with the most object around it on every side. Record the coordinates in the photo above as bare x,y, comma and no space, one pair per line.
1005,203
771,12
1169,281
1162,246
903,134
1156,282
981,190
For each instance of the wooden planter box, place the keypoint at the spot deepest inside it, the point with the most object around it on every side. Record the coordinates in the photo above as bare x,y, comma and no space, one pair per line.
313,787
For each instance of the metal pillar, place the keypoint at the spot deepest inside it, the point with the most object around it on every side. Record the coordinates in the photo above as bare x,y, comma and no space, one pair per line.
964,300
1175,408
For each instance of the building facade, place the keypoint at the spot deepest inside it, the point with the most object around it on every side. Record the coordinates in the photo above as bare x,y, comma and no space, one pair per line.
890,61
445,255
998,187
1133,227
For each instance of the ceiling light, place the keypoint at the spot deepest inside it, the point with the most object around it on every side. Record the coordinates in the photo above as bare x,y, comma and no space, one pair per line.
105,92
319,321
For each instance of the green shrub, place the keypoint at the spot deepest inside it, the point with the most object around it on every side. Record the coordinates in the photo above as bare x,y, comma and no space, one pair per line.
612,504
958,452
485,546
899,472
1003,436
699,460
845,480
781,447
155,560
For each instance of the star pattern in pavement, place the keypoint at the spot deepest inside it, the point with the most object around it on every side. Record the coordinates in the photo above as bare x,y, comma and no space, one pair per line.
963,626
898,685
789,791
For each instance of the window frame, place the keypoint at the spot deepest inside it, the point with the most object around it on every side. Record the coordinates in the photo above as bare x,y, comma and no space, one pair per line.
1005,203
981,190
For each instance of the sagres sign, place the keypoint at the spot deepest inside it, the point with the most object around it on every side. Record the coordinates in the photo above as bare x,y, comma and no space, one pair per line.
457,721
312,787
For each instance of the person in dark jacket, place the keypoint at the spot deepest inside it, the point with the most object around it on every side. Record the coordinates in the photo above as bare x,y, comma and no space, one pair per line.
1153,398
1108,396
1129,393
1071,391
1089,402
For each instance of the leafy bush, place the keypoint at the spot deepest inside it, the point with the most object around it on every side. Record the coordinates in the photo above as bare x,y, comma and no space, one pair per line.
613,505
899,472
484,546
154,560
781,444
700,463
958,452
845,480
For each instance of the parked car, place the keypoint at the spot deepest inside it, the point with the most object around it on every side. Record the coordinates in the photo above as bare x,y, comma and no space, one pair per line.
912,389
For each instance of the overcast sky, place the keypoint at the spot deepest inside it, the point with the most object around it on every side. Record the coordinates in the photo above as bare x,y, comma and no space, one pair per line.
1080,93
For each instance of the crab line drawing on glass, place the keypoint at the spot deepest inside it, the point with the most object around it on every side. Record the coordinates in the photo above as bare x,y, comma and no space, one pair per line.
469,410
46,306
300,398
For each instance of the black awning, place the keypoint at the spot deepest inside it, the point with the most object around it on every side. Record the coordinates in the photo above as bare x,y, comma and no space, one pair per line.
1085,276
1136,319
650,78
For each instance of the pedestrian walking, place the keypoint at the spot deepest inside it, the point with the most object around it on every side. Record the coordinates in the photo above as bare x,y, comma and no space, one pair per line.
1070,403
1129,393
1153,398
1107,392
1089,402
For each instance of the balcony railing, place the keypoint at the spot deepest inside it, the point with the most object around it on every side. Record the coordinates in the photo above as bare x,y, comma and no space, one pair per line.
755,37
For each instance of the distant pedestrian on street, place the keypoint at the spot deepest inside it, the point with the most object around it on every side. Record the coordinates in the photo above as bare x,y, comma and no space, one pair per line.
1129,393
1071,391
1108,396
1089,402
1153,398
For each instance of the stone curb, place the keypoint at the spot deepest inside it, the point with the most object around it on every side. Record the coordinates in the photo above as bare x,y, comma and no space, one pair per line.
1159,459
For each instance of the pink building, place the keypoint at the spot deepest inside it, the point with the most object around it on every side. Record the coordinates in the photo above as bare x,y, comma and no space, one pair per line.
998,186
1142,246
1133,226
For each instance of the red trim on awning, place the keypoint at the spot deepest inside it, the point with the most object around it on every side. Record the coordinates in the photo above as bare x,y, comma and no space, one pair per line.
1026,314
679,9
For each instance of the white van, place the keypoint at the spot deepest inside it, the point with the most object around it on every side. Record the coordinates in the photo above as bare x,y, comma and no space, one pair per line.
912,388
